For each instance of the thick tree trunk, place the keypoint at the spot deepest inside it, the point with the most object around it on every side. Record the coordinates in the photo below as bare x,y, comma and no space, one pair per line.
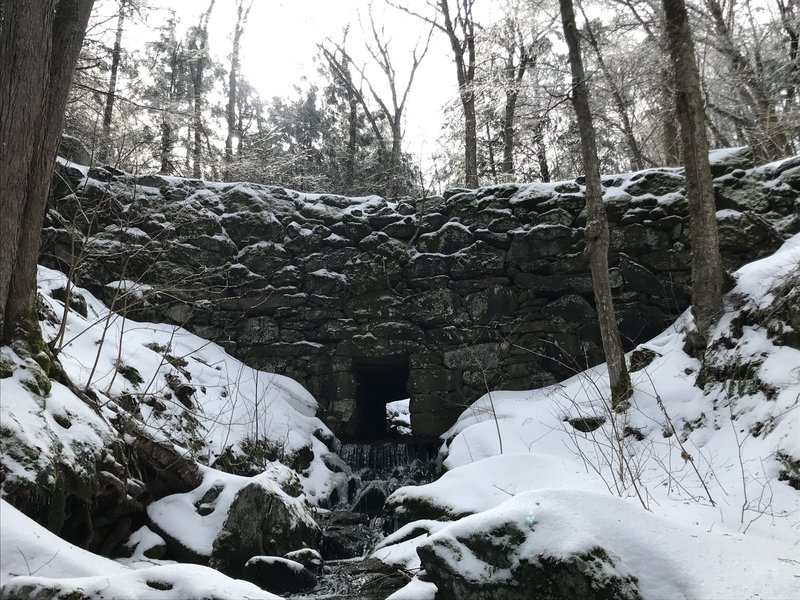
707,270
394,160
669,123
39,45
541,153
464,55
167,142
507,165
597,237
490,148
230,111
197,144
470,140
111,97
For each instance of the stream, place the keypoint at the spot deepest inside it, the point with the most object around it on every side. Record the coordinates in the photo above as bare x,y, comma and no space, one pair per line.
352,529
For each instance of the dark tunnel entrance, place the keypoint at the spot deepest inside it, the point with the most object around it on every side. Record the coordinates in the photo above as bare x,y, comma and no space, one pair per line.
378,381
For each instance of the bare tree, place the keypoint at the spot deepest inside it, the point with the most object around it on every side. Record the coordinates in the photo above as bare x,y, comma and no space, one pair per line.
766,133
459,27
339,65
198,48
392,108
597,237
339,62
621,103
116,54
521,55
234,133
707,270
39,45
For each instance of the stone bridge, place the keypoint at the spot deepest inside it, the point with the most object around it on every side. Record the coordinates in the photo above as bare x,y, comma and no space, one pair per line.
365,300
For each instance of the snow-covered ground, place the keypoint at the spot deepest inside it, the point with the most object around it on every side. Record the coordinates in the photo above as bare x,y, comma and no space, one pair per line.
683,491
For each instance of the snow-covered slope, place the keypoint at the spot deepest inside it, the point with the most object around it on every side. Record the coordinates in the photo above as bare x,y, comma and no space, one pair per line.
72,455
704,465
189,391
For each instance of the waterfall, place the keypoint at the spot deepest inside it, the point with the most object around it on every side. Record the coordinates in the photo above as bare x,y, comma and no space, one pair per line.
383,466
385,457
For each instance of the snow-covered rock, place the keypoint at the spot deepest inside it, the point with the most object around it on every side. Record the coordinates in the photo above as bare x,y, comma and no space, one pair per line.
36,564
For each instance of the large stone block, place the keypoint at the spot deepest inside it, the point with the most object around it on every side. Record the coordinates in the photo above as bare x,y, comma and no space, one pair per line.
428,381
491,304
451,238
637,237
477,356
478,260
432,307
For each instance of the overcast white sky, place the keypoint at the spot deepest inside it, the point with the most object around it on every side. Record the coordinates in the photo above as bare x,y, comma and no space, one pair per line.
281,39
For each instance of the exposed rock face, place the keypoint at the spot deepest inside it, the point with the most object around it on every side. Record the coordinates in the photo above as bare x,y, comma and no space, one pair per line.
258,523
474,289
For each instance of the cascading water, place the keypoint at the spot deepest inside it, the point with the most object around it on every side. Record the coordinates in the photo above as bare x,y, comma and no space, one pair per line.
411,461
351,529
383,466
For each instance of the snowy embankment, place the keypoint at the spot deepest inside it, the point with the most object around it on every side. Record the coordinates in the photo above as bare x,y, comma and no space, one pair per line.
692,493
242,432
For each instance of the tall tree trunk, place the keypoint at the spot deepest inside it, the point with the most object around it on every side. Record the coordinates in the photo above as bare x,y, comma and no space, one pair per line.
470,140
166,148
39,45
197,68
241,21
167,129
394,160
352,141
507,165
597,237
490,148
197,145
707,270
464,55
111,97
669,123
541,152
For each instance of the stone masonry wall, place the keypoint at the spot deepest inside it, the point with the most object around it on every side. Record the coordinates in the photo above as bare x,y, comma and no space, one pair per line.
478,289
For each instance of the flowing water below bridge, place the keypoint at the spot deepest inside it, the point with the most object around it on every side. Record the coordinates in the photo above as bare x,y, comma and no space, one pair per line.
353,528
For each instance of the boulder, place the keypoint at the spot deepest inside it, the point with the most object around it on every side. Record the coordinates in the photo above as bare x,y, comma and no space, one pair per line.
278,575
247,228
727,160
527,548
259,523
73,150
309,558
654,182
451,238
345,535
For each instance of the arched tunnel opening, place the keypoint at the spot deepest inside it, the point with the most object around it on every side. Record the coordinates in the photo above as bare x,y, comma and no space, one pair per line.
379,380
